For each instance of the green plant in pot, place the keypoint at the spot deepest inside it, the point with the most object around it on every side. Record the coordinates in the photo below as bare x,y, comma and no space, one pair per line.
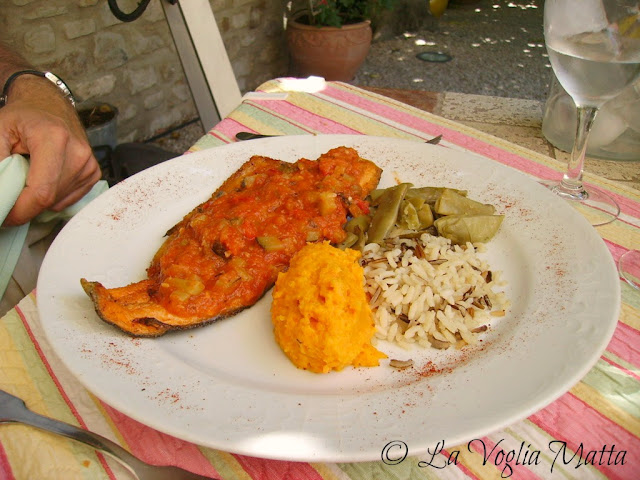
336,13
331,38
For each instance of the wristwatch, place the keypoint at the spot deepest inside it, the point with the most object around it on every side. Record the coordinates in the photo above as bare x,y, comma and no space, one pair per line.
57,81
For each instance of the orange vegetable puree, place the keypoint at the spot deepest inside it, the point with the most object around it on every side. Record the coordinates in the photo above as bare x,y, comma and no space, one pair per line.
320,313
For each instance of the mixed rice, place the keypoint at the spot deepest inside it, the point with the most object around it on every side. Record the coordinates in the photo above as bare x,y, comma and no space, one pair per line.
426,291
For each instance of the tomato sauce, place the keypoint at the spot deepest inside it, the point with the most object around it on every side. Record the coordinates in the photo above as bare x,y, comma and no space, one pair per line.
227,252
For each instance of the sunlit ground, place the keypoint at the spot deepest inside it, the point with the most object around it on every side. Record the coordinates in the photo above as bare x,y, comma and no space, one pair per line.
496,48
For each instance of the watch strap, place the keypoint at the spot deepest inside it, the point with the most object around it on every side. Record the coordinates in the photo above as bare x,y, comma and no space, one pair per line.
57,81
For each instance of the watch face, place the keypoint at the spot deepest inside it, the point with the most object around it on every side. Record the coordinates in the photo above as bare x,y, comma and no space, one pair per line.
61,85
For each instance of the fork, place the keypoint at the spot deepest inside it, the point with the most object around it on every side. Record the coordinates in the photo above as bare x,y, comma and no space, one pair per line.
14,410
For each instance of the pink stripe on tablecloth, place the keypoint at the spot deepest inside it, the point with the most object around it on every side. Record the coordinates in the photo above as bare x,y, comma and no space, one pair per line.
5,467
230,127
459,138
293,121
572,421
388,114
327,125
463,468
159,448
260,469
47,366
218,133
507,469
621,368
58,385
397,120
625,344
285,110
478,146
380,109
616,250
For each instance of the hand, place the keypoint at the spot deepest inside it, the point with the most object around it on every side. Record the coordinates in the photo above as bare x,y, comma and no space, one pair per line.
39,122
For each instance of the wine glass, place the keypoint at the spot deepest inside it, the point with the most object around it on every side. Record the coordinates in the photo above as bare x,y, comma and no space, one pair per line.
629,267
594,49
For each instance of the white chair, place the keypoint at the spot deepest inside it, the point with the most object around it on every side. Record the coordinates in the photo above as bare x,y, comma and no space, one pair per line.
204,59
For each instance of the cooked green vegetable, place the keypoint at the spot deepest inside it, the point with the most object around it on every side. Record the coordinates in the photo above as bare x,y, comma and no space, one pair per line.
408,216
349,241
425,215
358,224
356,229
269,243
436,210
386,213
431,194
452,203
423,210
376,194
468,228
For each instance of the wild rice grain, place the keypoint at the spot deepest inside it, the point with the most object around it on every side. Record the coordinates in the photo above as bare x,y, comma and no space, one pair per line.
444,293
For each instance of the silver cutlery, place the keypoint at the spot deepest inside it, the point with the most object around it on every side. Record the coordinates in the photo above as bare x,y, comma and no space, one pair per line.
435,140
250,136
14,410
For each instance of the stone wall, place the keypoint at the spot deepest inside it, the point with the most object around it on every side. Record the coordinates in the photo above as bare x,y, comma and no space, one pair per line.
134,65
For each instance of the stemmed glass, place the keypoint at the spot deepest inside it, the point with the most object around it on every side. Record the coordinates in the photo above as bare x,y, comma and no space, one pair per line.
629,267
594,49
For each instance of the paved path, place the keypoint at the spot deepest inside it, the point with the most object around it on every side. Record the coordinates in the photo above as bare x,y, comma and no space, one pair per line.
497,48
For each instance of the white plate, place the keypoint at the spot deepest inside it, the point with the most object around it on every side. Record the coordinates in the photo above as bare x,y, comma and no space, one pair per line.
228,385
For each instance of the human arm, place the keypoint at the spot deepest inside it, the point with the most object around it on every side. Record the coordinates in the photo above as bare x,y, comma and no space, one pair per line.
40,122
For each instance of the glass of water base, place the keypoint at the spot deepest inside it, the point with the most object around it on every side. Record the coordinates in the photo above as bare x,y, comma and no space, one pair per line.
594,50
629,268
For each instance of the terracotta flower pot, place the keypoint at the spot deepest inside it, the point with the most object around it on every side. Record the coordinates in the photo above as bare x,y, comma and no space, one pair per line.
329,52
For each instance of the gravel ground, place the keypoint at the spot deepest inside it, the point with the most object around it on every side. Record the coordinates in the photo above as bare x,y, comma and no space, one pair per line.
497,48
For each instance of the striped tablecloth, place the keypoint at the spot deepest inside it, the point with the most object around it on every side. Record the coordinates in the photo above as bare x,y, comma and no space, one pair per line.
590,432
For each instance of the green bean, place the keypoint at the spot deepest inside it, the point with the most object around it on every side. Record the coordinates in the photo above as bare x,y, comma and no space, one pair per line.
386,213
425,215
436,210
431,194
408,216
375,195
349,241
356,229
360,222
415,213
358,226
